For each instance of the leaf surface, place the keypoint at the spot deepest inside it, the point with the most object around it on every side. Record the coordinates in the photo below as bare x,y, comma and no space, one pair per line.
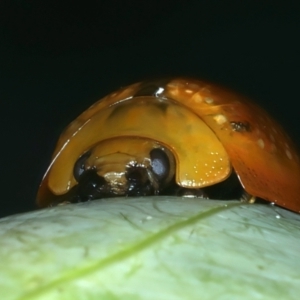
151,248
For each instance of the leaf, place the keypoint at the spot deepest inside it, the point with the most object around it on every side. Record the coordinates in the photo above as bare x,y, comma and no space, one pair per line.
151,248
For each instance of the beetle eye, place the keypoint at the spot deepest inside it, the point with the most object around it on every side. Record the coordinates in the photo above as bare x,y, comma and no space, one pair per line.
160,163
79,166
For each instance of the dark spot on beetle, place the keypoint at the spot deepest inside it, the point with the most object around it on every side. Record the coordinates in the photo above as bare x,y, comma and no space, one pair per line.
240,126
152,88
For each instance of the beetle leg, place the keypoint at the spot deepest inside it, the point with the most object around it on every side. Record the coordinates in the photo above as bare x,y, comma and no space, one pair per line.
247,198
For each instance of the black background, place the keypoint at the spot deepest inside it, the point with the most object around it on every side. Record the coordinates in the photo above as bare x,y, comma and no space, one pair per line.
57,59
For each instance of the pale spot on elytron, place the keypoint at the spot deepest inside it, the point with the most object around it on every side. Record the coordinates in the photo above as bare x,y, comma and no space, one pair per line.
220,119
209,100
261,143
189,91
197,98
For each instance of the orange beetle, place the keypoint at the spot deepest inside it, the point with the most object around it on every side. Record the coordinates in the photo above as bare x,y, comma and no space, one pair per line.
178,136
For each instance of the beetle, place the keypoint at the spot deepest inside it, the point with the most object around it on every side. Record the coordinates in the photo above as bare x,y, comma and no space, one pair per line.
177,136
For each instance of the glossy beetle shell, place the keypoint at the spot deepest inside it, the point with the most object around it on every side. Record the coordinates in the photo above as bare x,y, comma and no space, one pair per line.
209,129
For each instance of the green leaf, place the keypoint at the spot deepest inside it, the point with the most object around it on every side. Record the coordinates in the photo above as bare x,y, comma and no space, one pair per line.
151,248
